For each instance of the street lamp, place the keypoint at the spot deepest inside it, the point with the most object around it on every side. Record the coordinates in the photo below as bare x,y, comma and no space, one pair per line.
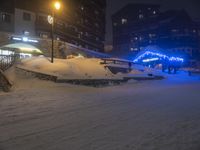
51,20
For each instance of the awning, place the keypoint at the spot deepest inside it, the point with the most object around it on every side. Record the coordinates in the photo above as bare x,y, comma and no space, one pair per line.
22,48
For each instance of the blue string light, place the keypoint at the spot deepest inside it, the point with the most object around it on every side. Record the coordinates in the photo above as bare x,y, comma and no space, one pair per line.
160,55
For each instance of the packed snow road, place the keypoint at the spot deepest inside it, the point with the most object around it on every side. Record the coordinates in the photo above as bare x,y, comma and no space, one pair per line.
150,115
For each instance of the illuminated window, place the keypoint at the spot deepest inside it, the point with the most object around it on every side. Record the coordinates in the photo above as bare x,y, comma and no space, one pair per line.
26,32
141,16
154,12
136,38
174,30
151,35
124,21
134,49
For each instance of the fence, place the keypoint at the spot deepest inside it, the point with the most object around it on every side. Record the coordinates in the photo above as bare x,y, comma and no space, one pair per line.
6,61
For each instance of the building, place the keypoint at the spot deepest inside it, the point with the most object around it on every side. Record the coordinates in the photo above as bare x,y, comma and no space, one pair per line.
137,26
79,22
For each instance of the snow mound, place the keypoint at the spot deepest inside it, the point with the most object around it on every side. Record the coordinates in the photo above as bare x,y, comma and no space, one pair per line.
77,68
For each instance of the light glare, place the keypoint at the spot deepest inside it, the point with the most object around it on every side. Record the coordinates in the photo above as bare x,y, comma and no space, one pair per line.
57,5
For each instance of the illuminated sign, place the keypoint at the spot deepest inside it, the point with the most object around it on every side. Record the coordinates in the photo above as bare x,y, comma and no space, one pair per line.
150,60
50,19
24,39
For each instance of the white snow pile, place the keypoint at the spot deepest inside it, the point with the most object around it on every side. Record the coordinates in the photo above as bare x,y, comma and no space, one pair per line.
76,68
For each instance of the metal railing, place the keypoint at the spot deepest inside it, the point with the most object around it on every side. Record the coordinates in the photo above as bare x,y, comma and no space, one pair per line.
6,61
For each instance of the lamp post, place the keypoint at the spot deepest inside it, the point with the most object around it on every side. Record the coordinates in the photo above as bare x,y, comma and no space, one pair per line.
51,20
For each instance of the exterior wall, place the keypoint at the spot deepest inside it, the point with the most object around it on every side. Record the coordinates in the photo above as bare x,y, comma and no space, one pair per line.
22,25
81,23
9,25
126,21
4,38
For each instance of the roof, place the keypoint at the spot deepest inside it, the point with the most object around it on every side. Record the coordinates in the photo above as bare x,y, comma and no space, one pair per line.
22,47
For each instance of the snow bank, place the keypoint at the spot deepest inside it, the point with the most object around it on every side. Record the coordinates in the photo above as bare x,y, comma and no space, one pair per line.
77,68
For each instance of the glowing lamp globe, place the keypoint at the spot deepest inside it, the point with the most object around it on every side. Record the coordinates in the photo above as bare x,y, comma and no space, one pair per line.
57,5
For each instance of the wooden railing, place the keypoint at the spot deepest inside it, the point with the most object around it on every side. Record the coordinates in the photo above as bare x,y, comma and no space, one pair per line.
6,61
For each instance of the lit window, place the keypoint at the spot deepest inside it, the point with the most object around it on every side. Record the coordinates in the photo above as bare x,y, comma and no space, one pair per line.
26,32
151,35
154,12
174,30
136,38
82,8
124,21
134,49
141,16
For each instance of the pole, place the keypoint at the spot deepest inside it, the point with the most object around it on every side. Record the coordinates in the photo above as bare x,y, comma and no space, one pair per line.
52,38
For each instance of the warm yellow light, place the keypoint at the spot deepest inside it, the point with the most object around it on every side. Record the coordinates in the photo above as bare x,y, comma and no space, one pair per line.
57,5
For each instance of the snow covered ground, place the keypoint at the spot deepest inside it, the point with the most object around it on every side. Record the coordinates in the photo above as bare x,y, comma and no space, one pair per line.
79,68
149,115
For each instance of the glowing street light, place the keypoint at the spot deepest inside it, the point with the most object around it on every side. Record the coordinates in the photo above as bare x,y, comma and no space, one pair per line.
51,20
57,5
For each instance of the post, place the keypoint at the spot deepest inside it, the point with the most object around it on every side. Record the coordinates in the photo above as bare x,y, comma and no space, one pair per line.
52,38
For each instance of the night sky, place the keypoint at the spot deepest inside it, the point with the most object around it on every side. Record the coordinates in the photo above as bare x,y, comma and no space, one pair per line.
191,6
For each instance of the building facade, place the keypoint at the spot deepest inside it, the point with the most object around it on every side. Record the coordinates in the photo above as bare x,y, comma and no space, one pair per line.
172,30
79,22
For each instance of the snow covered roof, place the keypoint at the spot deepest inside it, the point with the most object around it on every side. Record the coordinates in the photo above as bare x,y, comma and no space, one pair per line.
22,47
